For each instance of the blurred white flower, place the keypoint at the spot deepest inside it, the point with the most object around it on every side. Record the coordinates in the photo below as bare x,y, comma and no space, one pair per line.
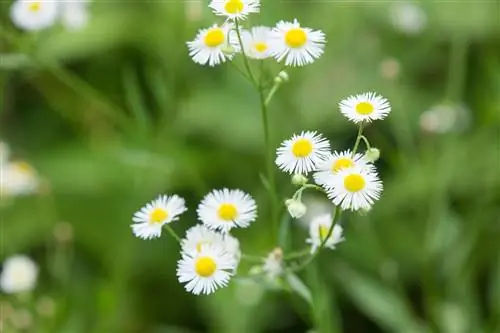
316,205
390,68
74,14
19,274
18,179
34,15
235,9
296,208
273,265
257,42
445,118
296,45
407,17
318,231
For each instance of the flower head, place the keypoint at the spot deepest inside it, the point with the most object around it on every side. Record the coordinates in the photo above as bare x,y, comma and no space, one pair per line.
19,274
365,107
298,46
355,188
273,265
18,178
235,9
336,162
302,153
226,209
199,235
257,42
209,45
74,14
319,229
207,270
148,221
34,15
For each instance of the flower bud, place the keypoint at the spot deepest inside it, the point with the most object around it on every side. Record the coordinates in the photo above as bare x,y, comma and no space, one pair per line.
372,154
281,77
299,180
296,208
227,49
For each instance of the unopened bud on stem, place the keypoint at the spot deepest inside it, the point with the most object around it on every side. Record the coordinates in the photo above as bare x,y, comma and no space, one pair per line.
296,208
372,154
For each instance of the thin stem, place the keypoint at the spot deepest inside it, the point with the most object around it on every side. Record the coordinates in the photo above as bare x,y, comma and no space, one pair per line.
296,255
173,233
245,58
298,193
271,93
245,75
365,140
358,139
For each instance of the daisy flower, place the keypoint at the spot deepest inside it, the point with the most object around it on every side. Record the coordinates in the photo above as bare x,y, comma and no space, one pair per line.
207,270
19,274
149,221
302,153
318,231
355,188
365,107
298,46
226,209
18,178
74,14
257,42
34,15
209,44
273,264
200,235
336,162
235,9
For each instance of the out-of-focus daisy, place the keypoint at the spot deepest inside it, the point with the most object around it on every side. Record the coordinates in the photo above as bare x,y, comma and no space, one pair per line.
408,17
19,274
74,14
365,107
302,153
207,270
225,209
336,162
273,265
148,221
318,231
257,42
235,9
209,45
200,235
297,45
355,188
18,178
34,15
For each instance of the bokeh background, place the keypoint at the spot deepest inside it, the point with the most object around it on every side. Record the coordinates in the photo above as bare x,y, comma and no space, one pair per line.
116,113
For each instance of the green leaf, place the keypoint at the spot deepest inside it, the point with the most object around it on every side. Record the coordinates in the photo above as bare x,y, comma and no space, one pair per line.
296,284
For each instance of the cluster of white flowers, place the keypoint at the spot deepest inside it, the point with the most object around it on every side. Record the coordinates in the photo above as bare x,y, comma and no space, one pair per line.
209,254
287,41
19,274
36,15
17,178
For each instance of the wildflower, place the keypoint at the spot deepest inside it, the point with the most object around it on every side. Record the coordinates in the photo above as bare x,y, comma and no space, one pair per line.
34,15
257,42
408,17
355,188
208,45
199,235
226,209
281,77
372,154
74,14
296,208
299,180
445,118
19,274
273,265
318,231
297,45
207,270
235,9
336,162
148,221
365,107
18,178
302,153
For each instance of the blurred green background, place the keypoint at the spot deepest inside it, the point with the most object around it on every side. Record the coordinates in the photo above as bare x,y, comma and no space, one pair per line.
117,113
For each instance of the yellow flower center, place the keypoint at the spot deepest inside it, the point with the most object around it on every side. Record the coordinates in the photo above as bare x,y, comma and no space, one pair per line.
364,108
227,212
342,163
205,266
302,148
214,37
323,231
354,183
24,167
34,6
234,6
260,46
295,37
158,215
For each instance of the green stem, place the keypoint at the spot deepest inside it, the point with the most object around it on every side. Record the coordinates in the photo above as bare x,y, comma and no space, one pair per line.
365,140
358,139
245,58
456,68
297,254
271,93
173,233
298,193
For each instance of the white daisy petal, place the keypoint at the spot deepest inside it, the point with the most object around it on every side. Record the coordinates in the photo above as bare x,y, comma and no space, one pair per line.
302,153
318,230
257,42
207,270
208,45
337,161
225,209
235,9
296,45
365,107
355,188
34,15
18,178
149,220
